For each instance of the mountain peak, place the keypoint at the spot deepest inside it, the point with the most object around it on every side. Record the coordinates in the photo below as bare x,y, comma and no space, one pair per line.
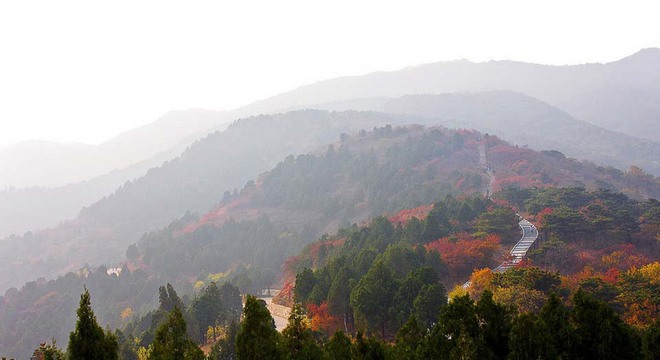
647,56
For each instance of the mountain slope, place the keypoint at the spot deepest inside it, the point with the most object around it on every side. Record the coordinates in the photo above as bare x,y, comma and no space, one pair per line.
250,233
523,121
194,181
22,210
48,164
622,96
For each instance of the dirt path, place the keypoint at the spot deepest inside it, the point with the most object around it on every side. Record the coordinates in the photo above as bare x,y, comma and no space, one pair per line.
280,313
483,161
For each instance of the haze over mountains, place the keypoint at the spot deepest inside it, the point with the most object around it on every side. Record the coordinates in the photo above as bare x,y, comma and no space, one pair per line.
623,95
358,177
508,101
195,181
68,177
191,197
51,164
522,120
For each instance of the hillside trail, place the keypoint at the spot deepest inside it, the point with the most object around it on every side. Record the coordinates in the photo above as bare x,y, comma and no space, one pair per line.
483,161
518,253
280,313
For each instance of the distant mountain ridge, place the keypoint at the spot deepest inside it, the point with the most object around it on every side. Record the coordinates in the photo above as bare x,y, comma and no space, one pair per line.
603,94
194,181
51,164
522,120
623,95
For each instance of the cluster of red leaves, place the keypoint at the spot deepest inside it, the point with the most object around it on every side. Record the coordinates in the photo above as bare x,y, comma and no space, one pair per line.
285,296
403,216
220,215
462,252
321,318
289,268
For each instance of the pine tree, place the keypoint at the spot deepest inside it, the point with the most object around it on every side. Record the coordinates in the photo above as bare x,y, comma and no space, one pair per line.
339,346
172,342
408,339
257,339
88,340
297,339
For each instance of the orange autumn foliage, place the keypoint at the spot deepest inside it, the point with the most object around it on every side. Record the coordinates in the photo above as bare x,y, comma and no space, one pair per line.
463,252
285,296
403,216
321,319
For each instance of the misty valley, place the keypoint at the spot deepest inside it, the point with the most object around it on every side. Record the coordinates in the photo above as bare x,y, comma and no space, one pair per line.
453,210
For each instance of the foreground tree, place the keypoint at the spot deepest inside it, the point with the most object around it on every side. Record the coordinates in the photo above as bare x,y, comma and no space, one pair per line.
530,339
297,339
48,352
172,342
257,338
225,348
339,346
88,340
599,332
408,339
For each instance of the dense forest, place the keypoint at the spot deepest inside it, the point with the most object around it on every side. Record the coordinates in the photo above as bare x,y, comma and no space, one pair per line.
521,120
194,181
400,171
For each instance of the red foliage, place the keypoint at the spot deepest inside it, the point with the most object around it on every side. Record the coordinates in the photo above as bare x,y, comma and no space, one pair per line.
463,252
219,216
321,319
420,212
541,216
314,247
285,296
611,276
289,268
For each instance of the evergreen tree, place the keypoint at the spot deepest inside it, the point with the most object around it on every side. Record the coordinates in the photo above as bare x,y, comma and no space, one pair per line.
339,346
428,302
48,352
208,311
437,224
530,339
297,339
225,348
88,340
408,339
457,320
230,297
651,341
368,349
495,325
372,299
599,332
555,318
257,338
305,282
172,342
339,295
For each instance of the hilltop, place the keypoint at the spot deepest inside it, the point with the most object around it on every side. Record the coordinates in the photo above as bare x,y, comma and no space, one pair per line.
621,96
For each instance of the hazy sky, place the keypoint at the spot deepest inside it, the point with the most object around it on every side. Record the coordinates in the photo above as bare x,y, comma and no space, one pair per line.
87,70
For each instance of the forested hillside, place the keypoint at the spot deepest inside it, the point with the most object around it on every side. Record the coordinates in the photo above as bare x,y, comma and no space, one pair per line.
601,242
521,120
195,181
22,210
250,233
390,278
